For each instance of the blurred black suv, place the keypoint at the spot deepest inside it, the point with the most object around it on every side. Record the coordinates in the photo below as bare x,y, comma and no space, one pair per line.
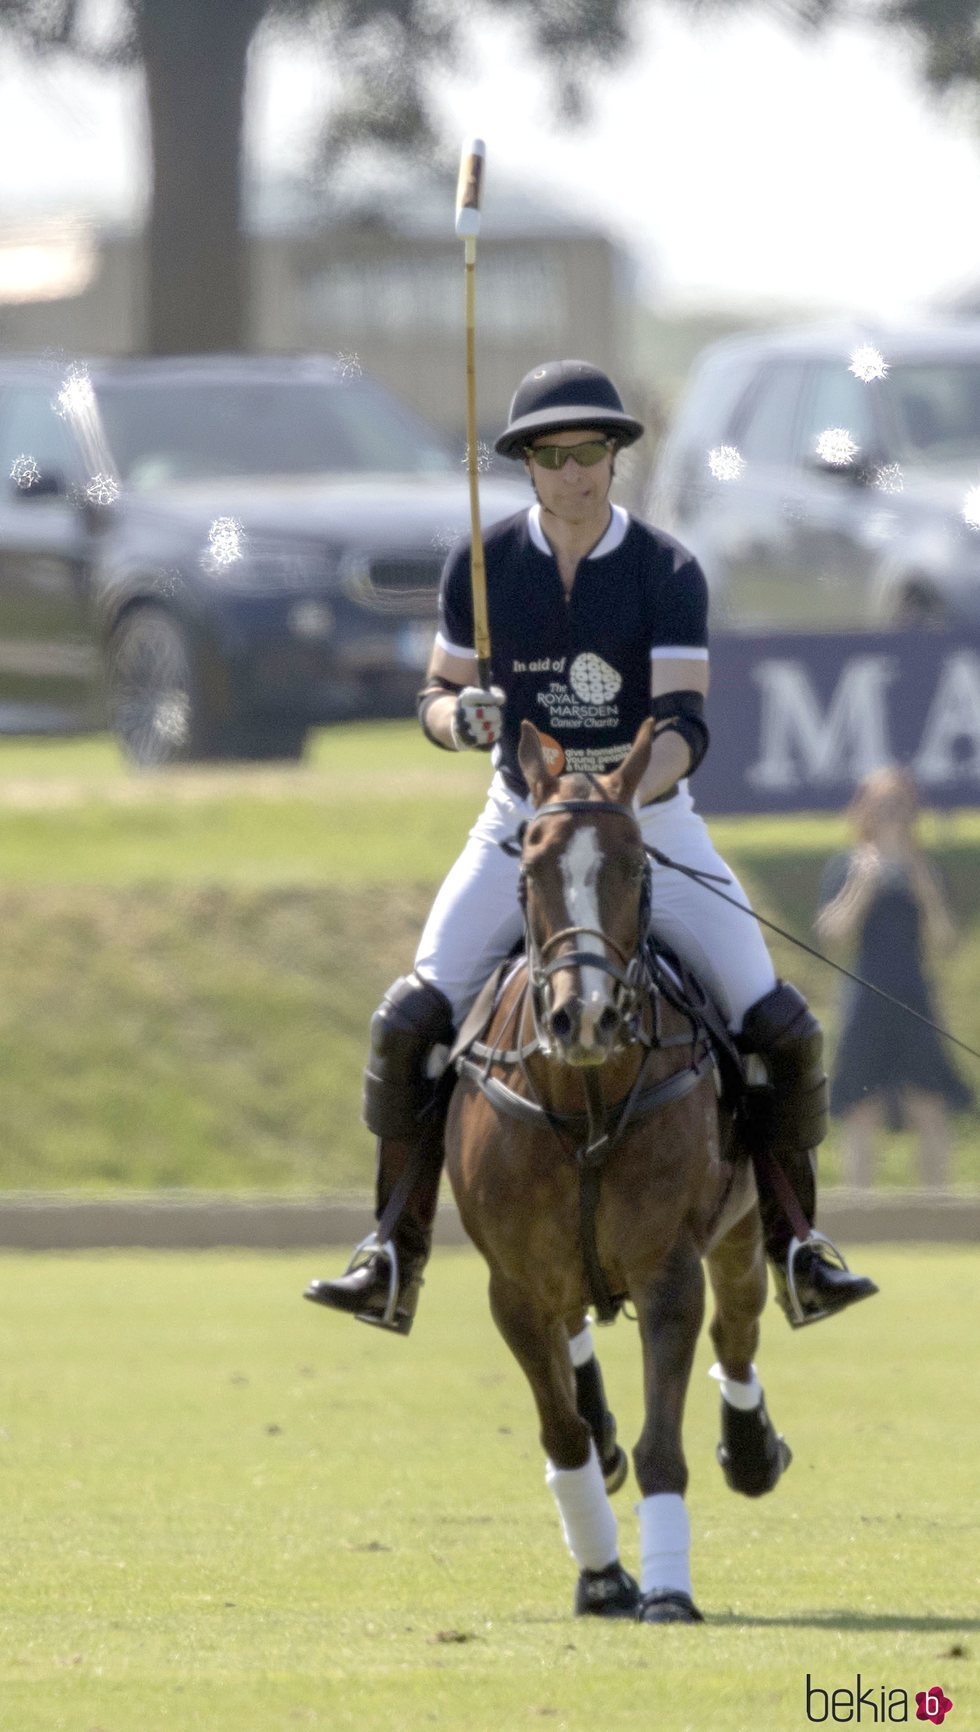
831,478
214,553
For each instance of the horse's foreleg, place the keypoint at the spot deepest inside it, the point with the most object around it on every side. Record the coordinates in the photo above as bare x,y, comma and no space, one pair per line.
669,1310
737,1268
751,1453
591,1403
540,1346
573,1473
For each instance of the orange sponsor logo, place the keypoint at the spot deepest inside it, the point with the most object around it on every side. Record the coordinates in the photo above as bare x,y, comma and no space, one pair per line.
554,754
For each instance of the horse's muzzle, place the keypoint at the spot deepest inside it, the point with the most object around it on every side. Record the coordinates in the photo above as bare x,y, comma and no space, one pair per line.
580,1034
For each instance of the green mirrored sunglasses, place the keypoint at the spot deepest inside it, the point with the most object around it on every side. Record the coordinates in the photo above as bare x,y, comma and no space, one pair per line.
586,455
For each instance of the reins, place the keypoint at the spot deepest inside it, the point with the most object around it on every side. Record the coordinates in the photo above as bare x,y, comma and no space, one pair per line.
710,880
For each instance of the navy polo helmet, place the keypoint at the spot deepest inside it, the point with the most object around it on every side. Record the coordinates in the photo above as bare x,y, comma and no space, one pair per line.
558,395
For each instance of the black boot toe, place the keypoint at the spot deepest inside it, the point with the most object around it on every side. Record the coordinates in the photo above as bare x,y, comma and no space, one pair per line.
366,1293
823,1287
367,1286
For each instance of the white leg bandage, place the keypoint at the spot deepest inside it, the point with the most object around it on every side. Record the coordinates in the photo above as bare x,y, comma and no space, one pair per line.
744,1396
665,1543
581,1346
587,1519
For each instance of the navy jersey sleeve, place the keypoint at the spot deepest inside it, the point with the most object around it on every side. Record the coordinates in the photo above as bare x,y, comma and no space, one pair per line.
456,603
677,600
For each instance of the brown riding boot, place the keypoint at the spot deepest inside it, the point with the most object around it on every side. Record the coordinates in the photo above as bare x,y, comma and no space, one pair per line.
384,1277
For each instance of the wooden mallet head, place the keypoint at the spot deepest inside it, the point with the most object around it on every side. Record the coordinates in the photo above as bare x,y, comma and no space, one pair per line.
469,189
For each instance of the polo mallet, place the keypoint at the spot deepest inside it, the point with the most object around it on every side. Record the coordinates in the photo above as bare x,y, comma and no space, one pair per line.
468,192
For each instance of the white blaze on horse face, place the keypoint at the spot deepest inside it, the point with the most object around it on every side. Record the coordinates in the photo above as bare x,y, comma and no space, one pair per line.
580,865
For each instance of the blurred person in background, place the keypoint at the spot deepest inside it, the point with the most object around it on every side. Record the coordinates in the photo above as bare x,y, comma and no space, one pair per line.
886,900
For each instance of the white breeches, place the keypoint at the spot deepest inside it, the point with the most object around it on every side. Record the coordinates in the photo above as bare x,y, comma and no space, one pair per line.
475,920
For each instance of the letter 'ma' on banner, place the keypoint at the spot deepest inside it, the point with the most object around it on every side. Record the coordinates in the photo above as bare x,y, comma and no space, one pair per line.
797,720
802,743
953,723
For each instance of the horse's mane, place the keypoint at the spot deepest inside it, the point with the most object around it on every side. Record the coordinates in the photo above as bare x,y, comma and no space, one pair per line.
577,786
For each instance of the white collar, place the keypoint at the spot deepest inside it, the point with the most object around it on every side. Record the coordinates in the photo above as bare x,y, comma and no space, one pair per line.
614,537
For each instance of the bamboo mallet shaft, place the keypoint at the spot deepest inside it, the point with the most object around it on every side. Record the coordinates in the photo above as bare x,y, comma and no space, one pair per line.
468,194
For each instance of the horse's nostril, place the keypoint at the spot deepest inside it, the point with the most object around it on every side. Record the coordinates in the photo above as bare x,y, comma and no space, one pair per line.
561,1024
609,1020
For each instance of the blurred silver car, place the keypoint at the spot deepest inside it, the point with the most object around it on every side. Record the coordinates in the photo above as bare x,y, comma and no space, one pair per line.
831,478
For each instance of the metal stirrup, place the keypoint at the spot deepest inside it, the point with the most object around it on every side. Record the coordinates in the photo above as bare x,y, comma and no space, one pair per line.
368,1251
801,1317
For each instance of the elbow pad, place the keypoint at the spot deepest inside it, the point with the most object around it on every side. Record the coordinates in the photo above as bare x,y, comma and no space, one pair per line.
683,713
436,687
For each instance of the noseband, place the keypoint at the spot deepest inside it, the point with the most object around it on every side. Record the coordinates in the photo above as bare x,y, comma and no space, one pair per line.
628,972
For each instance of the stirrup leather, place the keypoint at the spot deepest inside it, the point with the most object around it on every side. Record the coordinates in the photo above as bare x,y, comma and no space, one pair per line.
801,1318
368,1251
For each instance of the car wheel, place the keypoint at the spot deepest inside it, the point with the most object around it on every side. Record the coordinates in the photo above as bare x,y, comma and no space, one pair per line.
918,606
153,710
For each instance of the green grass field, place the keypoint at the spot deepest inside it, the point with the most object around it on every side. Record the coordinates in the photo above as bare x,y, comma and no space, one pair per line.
190,959
227,1511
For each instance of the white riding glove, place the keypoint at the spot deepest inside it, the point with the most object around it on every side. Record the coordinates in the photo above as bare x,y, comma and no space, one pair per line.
477,718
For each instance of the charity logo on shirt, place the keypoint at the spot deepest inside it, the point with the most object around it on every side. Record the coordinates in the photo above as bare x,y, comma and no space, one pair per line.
584,699
581,701
593,680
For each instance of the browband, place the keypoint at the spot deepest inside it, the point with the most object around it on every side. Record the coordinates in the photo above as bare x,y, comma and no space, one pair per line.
515,845
582,806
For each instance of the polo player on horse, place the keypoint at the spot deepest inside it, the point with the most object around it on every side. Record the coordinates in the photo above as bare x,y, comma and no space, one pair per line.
597,621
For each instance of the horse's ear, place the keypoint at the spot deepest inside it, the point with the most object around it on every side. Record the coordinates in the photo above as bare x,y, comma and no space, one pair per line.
530,756
623,782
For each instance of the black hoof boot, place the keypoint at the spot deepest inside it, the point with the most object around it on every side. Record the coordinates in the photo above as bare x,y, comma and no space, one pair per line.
751,1454
590,1401
608,1593
664,1606
816,1282
375,1290
615,1467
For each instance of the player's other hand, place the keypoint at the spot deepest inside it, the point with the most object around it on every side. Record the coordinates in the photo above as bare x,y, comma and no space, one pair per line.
477,718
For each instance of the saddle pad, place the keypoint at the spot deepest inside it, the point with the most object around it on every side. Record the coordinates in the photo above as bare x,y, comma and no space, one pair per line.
691,995
477,1019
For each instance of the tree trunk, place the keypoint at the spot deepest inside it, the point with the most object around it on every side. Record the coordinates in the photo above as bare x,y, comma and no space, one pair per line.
195,54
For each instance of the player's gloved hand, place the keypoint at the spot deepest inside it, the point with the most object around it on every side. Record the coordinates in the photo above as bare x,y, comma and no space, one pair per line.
477,718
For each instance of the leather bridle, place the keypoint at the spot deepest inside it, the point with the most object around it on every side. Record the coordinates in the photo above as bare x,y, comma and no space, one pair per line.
629,972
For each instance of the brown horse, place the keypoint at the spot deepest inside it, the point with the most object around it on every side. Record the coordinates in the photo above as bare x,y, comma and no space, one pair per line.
593,1160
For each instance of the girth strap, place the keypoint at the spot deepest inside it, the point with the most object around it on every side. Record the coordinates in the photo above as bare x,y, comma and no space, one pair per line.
506,1100
590,1155
590,1178
591,1159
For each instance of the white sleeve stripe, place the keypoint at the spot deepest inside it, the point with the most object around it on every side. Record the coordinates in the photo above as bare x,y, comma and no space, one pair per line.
453,649
679,653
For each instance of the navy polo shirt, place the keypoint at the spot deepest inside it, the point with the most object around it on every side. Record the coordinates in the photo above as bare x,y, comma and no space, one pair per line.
578,667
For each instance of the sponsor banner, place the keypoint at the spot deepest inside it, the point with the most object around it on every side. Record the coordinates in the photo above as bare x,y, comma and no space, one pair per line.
798,719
